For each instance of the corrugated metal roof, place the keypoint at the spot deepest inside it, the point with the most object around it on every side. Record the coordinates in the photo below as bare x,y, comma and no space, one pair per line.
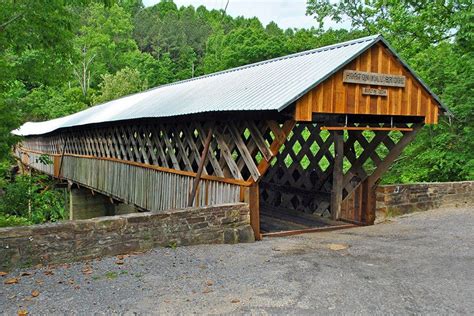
269,85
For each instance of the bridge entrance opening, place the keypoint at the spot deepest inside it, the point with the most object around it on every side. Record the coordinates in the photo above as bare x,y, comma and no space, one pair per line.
295,192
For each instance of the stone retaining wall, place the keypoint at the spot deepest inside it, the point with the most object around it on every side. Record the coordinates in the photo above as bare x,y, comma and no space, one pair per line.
103,236
406,198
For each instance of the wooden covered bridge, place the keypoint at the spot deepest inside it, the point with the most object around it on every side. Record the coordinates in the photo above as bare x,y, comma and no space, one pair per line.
304,138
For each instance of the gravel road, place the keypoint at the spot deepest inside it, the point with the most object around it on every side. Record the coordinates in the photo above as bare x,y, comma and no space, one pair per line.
417,264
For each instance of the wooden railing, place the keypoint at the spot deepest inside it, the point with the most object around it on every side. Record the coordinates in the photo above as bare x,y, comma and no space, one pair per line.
146,186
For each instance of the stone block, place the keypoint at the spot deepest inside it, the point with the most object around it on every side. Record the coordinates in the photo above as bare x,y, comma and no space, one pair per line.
245,234
230,236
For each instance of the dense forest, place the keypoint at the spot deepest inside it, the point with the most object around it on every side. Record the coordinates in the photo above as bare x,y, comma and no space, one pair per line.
62,56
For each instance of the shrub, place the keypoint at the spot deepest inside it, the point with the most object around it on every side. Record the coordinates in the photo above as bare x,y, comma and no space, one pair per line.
32,198
12,220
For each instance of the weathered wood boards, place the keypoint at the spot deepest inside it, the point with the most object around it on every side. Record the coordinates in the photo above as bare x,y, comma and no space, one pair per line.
203,159
309,176
284,162
337,175
404,95
155,166
147,188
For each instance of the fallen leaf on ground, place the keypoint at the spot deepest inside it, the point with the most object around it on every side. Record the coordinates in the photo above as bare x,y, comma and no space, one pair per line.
209,283
22,312
26,273
337,247
48,272
11,281
207,290
3,273
39,281
87,270
119,262
235,301
121,257
35,293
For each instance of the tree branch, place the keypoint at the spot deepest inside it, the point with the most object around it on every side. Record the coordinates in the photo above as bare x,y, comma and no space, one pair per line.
13,19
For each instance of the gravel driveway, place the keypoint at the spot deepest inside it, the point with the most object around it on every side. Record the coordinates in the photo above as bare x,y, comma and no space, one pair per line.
418,264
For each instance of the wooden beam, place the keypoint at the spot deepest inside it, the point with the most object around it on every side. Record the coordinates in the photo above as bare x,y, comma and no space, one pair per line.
254,206
259,140
308,230
226,154
158,168
202,162
280,137
393,154
337,178
244,152
62,157
365,128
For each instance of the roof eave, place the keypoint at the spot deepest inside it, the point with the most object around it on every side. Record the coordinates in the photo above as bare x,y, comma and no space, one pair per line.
378,38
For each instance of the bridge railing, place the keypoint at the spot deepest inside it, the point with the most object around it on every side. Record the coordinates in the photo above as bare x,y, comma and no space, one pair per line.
147,186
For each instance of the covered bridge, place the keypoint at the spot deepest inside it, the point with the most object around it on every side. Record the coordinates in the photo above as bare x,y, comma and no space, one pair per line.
304,138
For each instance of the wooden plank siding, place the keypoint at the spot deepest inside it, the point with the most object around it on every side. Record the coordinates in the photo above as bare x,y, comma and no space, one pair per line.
335,96
154,166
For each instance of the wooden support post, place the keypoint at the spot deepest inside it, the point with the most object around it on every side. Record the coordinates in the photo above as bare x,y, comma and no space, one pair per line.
337,176
254,206
62,158
370,184
192,194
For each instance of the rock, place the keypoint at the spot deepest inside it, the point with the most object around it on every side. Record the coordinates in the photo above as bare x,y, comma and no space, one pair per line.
230,236
245,234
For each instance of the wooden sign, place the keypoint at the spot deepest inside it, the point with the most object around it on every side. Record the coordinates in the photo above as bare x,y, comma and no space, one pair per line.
376,92
373,78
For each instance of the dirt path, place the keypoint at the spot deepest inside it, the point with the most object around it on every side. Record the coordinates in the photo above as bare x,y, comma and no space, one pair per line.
422,263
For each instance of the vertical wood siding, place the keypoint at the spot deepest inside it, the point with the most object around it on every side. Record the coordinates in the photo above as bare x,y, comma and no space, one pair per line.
146,188
335,96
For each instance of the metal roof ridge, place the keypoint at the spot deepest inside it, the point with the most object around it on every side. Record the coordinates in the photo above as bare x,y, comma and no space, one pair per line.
267,61
259,63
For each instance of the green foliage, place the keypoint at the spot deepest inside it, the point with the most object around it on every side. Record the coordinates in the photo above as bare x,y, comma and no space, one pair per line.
33,199
46,103
44,159
12,220
124,82
59,57
436,39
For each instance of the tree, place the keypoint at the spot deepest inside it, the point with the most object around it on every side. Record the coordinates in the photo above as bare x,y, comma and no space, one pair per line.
409,25
103,40
35,38
435,38
126,81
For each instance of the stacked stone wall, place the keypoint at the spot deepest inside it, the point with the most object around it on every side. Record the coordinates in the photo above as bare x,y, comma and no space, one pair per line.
401,199
104,236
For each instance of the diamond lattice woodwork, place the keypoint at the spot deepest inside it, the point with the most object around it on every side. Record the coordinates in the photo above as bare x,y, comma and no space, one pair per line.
237,148
300,177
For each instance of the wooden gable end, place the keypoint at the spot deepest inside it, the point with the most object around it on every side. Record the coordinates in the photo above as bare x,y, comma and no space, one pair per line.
339,97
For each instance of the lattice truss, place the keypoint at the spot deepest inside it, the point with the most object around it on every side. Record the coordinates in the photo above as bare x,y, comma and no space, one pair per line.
46,144
238,149
302,173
